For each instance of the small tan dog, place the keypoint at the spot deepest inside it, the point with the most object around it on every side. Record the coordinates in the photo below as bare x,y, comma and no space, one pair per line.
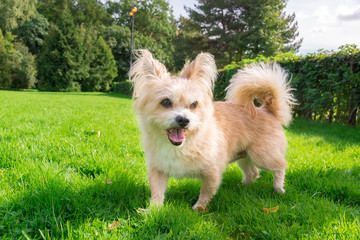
186,134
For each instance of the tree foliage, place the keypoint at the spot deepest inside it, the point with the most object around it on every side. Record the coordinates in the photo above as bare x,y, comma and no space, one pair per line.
241,28
15,12
189,42
6,50
83,12
81,44
75,58
154,29
33,32
17,65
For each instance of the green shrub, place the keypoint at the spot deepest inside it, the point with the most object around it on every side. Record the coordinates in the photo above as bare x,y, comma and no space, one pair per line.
17,65
6,49
123,87
24,69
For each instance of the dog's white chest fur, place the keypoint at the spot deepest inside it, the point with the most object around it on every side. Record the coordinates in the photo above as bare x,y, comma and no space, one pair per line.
174,162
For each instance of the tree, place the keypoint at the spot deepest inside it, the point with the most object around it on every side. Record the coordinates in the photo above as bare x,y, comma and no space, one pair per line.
17,65
118,39
101,62
33,32
23,68
15,12
59,63
75,58
189,42
6,50
154,29
83,12
241,28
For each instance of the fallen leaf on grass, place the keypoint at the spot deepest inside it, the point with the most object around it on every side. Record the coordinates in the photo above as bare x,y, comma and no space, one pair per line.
114,225
107,180
271,210
202,209
142,210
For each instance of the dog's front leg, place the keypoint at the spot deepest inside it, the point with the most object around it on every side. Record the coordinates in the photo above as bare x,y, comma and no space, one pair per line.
158,182
211,183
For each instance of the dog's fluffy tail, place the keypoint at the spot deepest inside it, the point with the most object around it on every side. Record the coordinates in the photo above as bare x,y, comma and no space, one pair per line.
268,84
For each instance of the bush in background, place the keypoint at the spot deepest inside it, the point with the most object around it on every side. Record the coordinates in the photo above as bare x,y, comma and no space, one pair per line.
23,68
17,64
123,87
6,50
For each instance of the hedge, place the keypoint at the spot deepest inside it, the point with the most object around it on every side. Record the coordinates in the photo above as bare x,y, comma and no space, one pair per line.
123,87
326,83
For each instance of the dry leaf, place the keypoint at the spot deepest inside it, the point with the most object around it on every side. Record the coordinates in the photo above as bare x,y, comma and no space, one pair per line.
271,210
98,134
114,225
142,210
124,170
202,209
107,180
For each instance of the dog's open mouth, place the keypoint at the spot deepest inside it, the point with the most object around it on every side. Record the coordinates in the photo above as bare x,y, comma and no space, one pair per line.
176,136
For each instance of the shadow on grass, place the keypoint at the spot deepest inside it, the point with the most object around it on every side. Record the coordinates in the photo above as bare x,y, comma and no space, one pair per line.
49,206
335,133
314,199
338,185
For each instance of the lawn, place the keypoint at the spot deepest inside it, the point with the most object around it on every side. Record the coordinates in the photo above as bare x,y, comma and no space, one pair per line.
72,167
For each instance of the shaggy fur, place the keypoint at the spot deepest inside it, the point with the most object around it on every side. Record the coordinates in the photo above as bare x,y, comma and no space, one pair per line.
186,134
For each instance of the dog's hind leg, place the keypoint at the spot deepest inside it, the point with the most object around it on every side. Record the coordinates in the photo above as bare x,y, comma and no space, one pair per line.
279,178
250,171
273,161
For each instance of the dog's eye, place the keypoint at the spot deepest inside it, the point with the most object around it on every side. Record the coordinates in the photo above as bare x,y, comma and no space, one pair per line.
193,105
166,103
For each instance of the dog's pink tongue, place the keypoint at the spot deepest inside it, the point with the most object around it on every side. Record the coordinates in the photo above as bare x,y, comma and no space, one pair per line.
177,135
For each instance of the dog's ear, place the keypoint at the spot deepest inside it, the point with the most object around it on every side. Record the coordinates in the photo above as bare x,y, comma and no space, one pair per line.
202,70
145,70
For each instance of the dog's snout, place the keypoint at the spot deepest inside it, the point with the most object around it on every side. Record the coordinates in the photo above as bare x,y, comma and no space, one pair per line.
182,121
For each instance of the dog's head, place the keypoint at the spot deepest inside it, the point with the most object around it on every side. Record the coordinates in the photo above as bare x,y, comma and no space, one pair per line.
176,106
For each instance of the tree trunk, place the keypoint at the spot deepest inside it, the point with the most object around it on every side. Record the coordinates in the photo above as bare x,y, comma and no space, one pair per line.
352,116
331,113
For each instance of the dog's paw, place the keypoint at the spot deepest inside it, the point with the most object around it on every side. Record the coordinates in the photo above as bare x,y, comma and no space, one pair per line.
200,209
280,190
156,205
250,178
143,210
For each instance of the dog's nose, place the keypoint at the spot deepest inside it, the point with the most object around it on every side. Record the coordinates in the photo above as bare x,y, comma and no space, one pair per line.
182,121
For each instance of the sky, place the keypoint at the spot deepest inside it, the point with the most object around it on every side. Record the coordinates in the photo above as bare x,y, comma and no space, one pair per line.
323,24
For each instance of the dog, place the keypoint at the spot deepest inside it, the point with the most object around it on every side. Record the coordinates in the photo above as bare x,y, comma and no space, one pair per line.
186,134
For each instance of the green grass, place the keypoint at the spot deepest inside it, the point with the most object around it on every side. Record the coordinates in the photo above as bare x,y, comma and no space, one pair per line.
59,180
